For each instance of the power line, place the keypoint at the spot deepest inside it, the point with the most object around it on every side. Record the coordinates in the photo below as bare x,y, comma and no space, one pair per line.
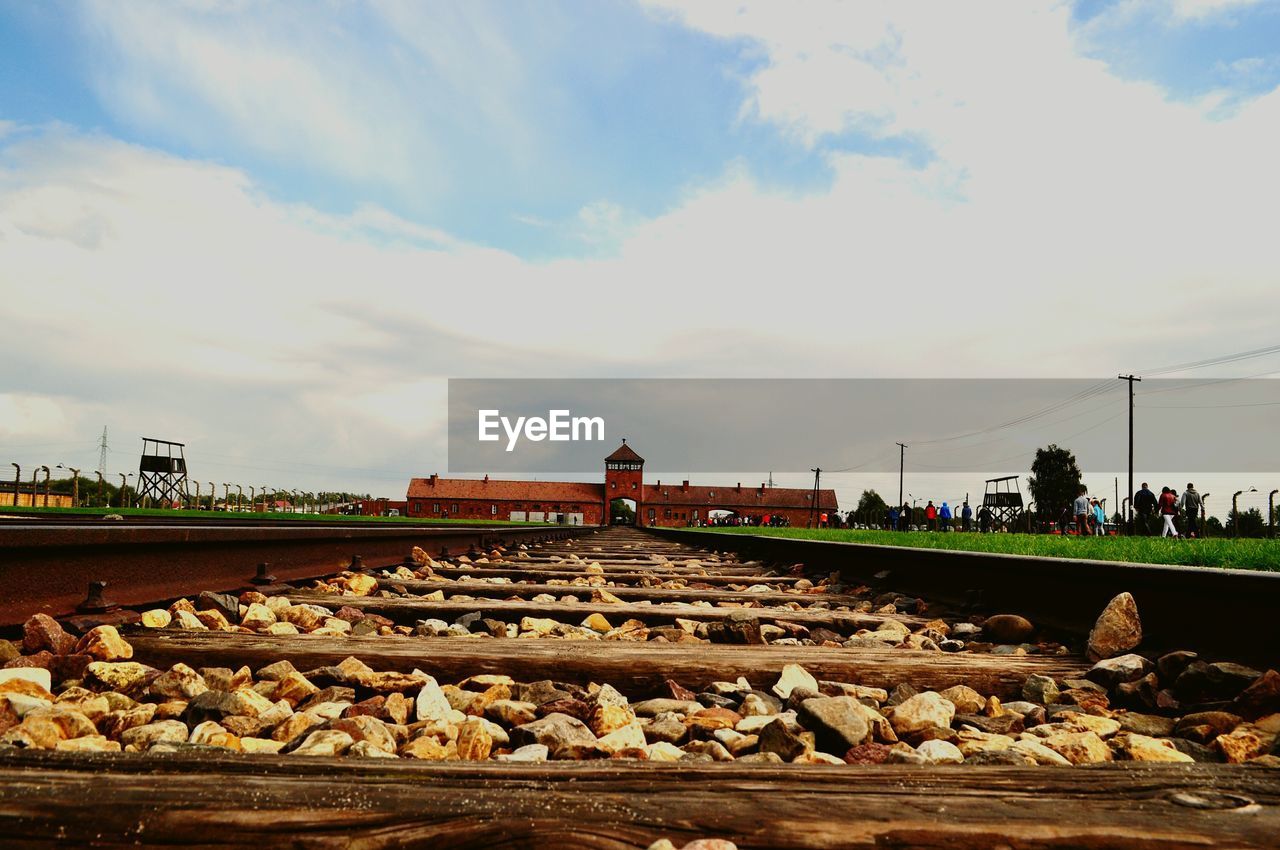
989,463
1214,361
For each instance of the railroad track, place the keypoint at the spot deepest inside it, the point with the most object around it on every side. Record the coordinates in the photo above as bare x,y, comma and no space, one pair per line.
48,567
618,688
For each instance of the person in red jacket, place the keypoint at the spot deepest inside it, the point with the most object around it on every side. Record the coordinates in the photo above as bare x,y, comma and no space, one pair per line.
931,516
1168,507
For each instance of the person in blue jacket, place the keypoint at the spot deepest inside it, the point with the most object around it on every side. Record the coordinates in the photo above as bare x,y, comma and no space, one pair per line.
944,516
966,517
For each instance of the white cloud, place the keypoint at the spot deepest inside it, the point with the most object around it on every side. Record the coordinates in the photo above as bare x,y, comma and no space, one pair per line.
1201,9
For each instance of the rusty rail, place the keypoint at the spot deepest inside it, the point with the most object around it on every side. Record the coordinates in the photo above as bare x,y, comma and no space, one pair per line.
1222,611
48,568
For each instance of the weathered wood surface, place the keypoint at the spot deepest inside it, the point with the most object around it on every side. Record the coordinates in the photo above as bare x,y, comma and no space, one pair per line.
516,572
407,611
210,800
675,567
477,588
634,668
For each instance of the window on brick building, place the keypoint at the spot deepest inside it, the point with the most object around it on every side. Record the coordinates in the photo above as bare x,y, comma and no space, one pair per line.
435,508
493,510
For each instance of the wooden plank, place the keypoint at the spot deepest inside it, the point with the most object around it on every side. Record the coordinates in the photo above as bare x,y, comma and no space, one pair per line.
407,610
634,668
519,573
500,591
211,800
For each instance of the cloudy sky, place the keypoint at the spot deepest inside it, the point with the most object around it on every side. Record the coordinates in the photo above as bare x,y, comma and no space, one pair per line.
273,231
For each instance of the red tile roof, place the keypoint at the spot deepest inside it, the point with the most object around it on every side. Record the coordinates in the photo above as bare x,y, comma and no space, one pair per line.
502,490
625,453
753,498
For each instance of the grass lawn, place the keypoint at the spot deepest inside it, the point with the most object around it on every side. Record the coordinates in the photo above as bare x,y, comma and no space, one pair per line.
1243,554
232,516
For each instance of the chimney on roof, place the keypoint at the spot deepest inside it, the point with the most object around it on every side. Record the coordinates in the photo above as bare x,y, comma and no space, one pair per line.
434,479
486,478
739,487
684,485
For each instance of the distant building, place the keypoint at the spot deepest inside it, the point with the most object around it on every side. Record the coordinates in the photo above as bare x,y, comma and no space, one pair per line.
54,500
588,504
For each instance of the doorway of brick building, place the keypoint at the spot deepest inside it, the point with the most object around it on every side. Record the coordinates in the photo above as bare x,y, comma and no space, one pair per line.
622,512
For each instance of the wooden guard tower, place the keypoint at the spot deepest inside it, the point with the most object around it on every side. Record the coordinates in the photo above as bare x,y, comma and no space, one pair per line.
1003,498
162,474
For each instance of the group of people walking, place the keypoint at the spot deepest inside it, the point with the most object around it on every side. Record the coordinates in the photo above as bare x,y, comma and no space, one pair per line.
936,518
1171,508
1090,515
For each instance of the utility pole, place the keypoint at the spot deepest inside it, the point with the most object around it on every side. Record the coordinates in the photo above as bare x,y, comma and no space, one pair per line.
1129,518
813,501
902,463
102,453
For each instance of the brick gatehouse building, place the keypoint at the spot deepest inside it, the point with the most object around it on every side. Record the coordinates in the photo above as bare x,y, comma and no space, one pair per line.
588,504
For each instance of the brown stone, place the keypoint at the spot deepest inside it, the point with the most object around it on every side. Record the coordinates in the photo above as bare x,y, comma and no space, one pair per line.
366,728
711,719
43,659
1117,630
1079,747
777,738
36,732
1204,726
427,748
474,741
1008,628
179,682
104,643
294,688
1260,698
872,753
42,632
294,725
572,707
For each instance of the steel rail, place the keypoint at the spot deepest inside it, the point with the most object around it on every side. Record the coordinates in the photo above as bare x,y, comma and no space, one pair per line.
1227,612
45,568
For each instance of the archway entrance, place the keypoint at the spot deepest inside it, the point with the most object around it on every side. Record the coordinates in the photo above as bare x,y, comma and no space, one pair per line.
622,512
723,516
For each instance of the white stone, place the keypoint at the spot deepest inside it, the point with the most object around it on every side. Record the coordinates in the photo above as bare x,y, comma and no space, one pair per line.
431,703
921,712
794,676
35,675
529,754
940,752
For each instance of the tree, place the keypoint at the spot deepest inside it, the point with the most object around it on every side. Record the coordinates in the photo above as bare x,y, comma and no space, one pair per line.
1055,480
871,508
1251,524
620,508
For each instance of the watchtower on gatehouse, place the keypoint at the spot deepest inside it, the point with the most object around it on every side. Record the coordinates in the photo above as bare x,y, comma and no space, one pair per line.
624,478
